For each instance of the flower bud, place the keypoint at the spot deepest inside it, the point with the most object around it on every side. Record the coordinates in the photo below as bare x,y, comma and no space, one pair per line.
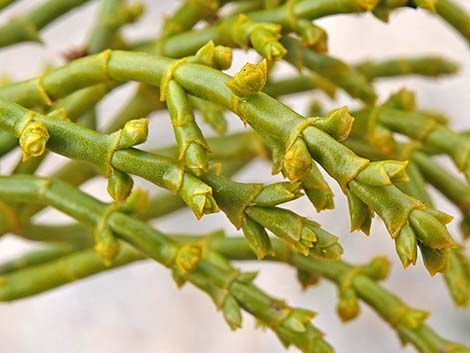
197,195
337,123
263,37
404,99
332,252
107,246
187,258
222,57
435,260
377,269
195,157
134,11
119,185
298,231
348,305
134,132
205,54
294,324
297,161
265,40
278,193
429,230
312,35
218,57
249,80
33,140
359,213
257,238
442,217
383,173
298,320
406,246
413,318
232,312
317,189
307,278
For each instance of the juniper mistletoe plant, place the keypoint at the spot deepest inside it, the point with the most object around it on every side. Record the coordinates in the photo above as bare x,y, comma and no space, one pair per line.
384,154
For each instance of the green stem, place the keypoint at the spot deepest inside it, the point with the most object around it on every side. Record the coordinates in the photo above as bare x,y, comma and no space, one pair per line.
437,136
36,257
211,274
258,109
425,66
300,83
455,16
26,28
384,302
241,149
187,15
451,187
343,75
112,15
100,150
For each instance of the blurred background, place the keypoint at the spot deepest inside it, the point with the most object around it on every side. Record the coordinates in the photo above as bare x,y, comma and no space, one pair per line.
139,308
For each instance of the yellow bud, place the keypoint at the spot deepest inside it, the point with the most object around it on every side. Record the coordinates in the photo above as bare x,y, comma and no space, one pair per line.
297,161
107,246
249,80
33,140
348,306
119,185
187,258
337,123
222,57
134,132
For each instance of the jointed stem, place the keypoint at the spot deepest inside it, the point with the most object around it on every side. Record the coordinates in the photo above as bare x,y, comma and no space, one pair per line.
385,303
26,28
229,288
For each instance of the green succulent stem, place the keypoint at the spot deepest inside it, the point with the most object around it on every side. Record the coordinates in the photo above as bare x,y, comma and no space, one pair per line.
338,72
428,66
385,303
26,28
287,15
424,128
256,109
112,15
300,83
102,151
208,272
453,14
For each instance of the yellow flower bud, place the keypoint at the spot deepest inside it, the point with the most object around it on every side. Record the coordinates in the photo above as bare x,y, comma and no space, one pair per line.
33,140
249,80
134,132
187,258
297,161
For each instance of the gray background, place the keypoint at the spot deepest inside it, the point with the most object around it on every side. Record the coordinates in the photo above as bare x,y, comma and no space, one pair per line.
139,308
